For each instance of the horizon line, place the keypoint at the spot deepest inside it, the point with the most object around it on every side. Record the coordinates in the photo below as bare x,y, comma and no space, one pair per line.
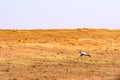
56,29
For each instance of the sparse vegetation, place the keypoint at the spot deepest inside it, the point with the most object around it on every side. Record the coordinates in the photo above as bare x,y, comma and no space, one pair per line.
54,54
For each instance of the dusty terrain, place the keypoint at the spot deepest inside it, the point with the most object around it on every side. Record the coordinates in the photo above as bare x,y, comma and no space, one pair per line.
54,54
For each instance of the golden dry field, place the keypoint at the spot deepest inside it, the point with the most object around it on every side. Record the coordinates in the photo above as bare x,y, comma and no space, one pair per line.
54,54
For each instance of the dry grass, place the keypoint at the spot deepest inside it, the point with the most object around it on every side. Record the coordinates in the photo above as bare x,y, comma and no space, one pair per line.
54,54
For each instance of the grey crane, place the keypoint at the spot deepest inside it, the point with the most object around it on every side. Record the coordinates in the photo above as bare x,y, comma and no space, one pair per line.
84,54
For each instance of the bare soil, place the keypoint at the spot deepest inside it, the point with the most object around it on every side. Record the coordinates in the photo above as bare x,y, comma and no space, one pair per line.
54,54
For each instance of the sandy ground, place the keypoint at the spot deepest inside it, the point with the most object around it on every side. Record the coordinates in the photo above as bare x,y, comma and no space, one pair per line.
54,54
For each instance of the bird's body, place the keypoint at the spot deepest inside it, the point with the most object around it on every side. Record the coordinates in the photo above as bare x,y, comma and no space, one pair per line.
84,54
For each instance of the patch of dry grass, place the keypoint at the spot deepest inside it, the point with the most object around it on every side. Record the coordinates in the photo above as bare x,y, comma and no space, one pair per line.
54,54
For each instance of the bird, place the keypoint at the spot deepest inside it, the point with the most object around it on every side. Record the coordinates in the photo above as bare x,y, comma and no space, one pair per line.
84,54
